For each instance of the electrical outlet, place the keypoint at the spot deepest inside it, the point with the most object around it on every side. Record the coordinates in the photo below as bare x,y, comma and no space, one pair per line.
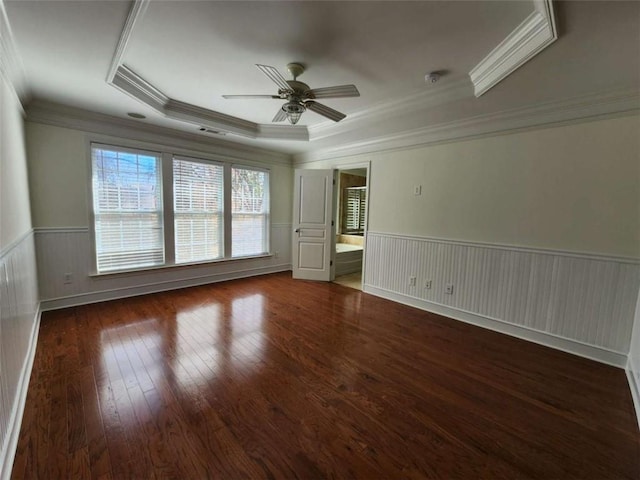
448,289
417,190
68,278
412,281
427,284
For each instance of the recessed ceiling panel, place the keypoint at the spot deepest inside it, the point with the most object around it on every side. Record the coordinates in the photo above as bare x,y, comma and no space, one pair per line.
198,51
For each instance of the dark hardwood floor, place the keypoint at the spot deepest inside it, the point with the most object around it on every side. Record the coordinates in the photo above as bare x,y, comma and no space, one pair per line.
274,378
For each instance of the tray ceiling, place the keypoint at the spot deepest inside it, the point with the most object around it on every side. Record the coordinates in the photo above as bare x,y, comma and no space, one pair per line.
194,52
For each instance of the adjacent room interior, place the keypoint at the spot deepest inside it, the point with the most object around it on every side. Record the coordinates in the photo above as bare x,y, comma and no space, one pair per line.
351,220
319,239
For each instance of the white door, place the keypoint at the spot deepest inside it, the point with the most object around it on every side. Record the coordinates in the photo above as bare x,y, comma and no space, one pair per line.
313,225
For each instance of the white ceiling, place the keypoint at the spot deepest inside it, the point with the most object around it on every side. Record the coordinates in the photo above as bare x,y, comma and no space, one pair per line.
195,52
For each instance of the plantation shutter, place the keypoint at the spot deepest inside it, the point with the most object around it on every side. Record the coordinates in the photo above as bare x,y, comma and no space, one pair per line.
250,211
355,209
198,198
127,208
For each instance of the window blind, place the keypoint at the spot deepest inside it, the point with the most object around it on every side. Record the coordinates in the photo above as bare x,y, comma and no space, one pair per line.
198,210
250,211
127,208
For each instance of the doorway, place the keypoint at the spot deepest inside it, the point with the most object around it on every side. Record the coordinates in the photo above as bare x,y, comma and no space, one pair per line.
351,222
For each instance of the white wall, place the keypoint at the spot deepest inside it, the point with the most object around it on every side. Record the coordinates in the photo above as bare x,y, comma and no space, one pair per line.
15,217
574,187
19,317
59,167
539,231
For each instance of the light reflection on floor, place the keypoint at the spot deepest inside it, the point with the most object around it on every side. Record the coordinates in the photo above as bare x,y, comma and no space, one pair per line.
131,355
189,351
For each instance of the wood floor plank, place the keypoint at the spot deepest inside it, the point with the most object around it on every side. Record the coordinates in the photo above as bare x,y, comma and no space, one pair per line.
273,378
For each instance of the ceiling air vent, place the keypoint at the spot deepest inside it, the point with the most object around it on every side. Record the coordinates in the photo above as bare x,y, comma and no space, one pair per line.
212,132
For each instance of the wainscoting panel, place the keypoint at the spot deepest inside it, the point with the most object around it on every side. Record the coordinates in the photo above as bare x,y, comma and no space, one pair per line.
19,320
633,362
67,251
587,299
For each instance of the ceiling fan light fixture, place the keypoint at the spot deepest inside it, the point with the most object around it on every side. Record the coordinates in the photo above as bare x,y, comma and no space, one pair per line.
294,110
293,117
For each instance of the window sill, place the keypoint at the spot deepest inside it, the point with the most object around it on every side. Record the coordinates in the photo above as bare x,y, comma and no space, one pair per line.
144,270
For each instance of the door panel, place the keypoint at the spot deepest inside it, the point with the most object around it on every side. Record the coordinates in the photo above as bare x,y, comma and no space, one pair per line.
311,256
314,229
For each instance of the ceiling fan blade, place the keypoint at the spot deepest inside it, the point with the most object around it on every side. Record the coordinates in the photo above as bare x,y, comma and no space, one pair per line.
334,92
234,97
275,76
325,111
280,116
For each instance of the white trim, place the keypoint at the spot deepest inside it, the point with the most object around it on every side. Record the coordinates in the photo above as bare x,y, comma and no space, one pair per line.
580,109
15,420
137,87
283,132
135,13
515,248
530,38
203,116
156,287
599,354
9,248
106,128
427,99
635,389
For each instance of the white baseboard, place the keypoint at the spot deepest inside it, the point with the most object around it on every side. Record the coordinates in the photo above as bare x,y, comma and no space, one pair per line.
15,420
155,287
635,390
599,354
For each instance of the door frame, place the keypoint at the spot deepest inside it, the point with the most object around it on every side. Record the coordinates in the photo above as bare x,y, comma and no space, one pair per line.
351,166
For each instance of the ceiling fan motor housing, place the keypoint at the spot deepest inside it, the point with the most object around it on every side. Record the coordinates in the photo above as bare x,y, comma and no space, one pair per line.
294,105
299,88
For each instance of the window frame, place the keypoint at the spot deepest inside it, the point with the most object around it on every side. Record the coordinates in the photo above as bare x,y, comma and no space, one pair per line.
166,154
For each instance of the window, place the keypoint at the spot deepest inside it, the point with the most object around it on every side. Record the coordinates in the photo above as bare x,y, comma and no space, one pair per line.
354,209
127,209
198,203
133,231
249,211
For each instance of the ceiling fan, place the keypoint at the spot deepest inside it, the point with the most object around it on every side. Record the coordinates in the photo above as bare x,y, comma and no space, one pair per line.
299,96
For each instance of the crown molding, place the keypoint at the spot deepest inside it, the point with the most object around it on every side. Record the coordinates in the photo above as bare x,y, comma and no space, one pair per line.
135,13
129,82
11,66
532,36
137,87
283,132
58,115
574,110
428,98
194,114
